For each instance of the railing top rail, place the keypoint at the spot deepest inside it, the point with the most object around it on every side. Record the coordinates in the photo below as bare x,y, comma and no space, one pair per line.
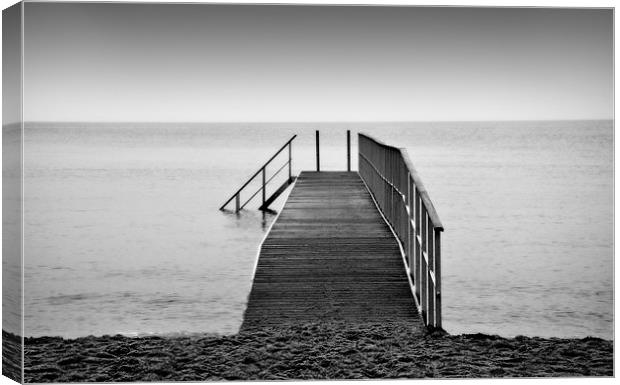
430,209
259,171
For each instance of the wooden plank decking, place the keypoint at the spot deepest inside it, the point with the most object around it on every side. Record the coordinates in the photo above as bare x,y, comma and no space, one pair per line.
329,256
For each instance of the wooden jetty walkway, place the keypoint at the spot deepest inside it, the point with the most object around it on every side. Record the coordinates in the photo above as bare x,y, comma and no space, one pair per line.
348,246
329,256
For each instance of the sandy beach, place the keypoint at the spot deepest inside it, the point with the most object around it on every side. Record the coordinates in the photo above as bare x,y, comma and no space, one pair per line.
313,351
11,354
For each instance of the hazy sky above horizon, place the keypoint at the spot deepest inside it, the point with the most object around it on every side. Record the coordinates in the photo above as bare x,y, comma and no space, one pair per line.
182,62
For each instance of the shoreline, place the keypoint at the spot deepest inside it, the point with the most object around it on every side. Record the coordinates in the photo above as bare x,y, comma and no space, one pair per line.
321,350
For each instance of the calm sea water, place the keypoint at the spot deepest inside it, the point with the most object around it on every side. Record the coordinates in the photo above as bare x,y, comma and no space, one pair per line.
123,232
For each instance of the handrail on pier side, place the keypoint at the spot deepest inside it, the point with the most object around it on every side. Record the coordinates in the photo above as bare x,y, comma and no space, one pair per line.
403,200
263,170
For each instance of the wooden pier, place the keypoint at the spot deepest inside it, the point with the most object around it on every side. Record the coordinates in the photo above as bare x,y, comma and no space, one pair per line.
329,256
349,246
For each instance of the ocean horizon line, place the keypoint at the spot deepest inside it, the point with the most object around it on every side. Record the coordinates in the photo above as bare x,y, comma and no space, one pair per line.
306,122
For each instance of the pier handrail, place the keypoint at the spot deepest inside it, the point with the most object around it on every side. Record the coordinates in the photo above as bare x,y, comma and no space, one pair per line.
402,198
237,194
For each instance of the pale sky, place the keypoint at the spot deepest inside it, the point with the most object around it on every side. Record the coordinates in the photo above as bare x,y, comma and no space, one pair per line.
181,62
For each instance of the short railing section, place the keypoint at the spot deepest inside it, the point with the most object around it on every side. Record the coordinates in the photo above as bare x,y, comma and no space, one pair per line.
266,201
404,202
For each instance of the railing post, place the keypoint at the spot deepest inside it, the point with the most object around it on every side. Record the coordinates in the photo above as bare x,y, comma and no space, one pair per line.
438,278
424,272
418,247
411,229
349,150
290,160
237,203
431,268
318,158
264,179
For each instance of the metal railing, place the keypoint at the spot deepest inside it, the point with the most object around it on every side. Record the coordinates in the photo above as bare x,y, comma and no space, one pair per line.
263,171
403,200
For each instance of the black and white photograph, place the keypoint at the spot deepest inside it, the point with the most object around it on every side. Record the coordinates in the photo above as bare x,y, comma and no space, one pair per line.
234,192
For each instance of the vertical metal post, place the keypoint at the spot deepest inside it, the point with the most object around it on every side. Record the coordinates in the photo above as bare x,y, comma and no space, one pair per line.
411,223
349,150
438,279
432,288
318,157
424,272
418,246
237,203
290,160
264,178
360,149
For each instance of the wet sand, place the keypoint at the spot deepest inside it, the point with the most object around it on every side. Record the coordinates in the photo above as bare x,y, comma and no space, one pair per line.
313,351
